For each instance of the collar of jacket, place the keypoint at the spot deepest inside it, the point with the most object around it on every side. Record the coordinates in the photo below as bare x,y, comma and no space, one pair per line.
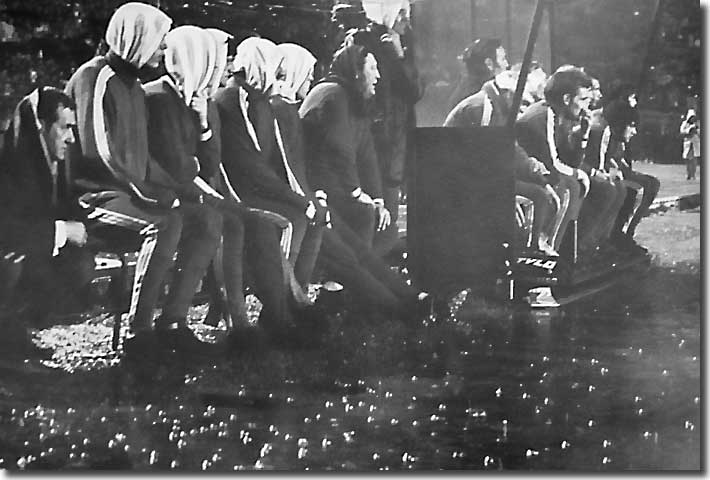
501,107
125,71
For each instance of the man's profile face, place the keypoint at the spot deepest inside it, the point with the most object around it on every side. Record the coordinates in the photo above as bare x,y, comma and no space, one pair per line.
305,86
596,93
59,135
501,61
157,57
629,132
370,75
579,102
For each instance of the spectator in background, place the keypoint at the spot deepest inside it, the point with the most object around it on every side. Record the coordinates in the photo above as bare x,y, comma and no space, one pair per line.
345,17
483,59
690,130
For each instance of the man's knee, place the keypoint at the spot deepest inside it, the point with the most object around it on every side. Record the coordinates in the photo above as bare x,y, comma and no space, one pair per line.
652,185
170,225
210,222
233,226
604,192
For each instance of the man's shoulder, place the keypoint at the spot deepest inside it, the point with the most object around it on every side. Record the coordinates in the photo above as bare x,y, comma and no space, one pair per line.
226,94
283,108
90,68
156,88
464,113
329,96
534,114
330,90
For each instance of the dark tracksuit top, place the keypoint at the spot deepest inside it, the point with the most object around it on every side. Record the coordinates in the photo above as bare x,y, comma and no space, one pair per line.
340,150
470,112
113,134
251,171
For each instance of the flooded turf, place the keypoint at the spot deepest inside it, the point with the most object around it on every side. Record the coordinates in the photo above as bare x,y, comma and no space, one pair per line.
610,384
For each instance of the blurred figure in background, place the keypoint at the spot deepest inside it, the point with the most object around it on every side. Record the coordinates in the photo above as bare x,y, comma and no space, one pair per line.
482,60
690,130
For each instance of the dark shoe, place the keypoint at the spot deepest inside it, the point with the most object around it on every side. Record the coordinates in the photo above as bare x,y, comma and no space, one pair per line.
183,340
245,338
144,346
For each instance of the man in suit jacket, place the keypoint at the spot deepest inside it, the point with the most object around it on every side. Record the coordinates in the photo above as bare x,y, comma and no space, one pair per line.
36,216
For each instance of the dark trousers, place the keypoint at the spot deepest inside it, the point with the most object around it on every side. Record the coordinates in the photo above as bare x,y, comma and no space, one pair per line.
691,164
570,186
387,239
294,215
160,229
200,236
597,208
192,230
52,284
349,260
650,186
360,218
610,218
307,257
264,271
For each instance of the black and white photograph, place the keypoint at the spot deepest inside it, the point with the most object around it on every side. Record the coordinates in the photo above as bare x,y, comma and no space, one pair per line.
351,236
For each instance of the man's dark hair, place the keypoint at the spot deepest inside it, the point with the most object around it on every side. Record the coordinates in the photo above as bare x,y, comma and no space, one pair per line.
566,80
619,115
474,56
49,100
350,16
364,37
621,92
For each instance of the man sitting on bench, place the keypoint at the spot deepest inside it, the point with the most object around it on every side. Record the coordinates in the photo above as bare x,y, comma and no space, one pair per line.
125,187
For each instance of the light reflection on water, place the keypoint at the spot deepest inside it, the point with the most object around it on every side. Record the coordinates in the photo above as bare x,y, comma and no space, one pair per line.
486,388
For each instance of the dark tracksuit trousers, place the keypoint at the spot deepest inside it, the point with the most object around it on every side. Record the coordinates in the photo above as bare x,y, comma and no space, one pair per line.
603,201
650,186
349,259
192,230
544,207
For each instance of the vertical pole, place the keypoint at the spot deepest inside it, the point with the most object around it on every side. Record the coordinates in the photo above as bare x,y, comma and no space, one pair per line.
473,21
527,60
552,25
